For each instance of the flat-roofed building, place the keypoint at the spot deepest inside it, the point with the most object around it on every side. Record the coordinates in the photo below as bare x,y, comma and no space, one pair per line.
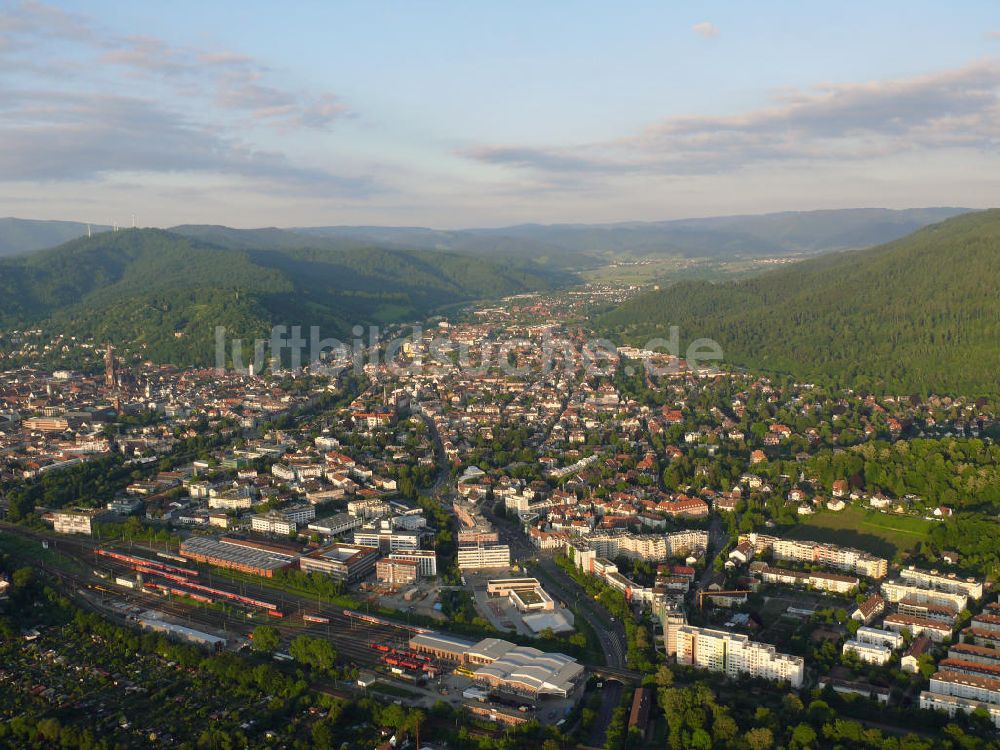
889,638
74,521
344,562
334,525
272,523
898,590
870,653
933,579
238,554
426,560
396,572
385,538
483,557
831,555
735,654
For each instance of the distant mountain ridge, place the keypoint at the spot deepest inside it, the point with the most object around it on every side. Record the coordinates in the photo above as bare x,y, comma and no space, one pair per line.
27,235
917,315
167,292
560,245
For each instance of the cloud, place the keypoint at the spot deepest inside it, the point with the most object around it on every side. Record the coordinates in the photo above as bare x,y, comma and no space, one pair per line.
232,81
49,136
705,29
949,109
994,34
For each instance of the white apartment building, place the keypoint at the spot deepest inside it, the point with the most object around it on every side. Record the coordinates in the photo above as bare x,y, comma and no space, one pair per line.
369,508
830,555
932,579
952,692
67,522
387,539
480,556
735,654
230,501
870,653
648,546
272,523
299,514
888,638
898,589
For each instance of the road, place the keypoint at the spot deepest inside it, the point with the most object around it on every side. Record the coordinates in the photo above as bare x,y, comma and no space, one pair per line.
611,634
611,698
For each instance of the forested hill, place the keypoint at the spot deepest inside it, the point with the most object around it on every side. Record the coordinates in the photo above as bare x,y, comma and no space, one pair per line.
165,292
918,315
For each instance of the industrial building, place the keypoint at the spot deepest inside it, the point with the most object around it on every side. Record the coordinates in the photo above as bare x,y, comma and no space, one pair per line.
503,666
256,558
182,633
345,562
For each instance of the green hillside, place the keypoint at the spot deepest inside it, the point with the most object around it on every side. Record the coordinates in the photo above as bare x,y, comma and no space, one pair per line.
166,293
921,314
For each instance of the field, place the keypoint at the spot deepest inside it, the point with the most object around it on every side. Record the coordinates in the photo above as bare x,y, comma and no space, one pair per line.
879,533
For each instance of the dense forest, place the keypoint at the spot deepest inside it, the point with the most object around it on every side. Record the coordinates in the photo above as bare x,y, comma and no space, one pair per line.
918,315
165,294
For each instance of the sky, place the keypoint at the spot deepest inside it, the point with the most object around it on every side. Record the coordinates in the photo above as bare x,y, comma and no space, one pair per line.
461,114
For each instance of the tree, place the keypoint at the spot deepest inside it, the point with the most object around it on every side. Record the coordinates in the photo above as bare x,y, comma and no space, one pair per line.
803,737
265,639
22,578
664,676
759,738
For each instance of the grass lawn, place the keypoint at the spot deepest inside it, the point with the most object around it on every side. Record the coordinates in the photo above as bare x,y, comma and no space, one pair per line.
881,534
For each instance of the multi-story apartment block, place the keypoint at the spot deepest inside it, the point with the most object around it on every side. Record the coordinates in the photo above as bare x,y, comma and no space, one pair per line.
887,638
272,523
835,582
952,692
898,589
934,629
830,555
384,537
648,546
870,653
481,556
735,654
932,579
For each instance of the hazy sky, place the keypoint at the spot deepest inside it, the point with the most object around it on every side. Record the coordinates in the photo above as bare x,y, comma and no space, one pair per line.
474,113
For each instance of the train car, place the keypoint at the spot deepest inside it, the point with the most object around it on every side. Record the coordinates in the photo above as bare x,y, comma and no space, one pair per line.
275,613
377,621
381,647
316,618
133,560
175,558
